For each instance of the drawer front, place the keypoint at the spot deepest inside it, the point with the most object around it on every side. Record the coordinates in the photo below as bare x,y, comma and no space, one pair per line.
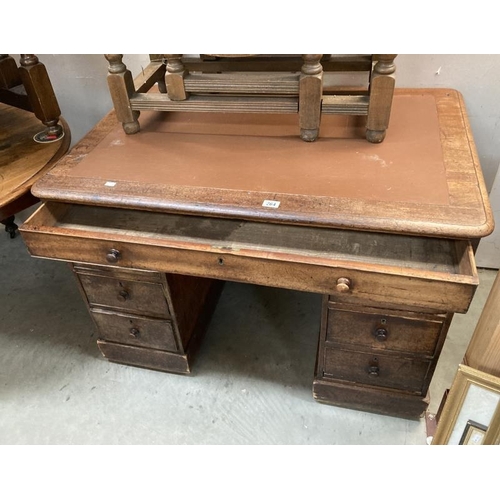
367,269
346,285
384,331
132,296
407,374
134,330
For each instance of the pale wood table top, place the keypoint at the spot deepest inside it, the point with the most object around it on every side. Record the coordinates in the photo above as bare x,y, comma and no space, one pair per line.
425,178
22,160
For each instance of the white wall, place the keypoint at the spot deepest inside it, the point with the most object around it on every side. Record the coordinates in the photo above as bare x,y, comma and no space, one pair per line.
477,77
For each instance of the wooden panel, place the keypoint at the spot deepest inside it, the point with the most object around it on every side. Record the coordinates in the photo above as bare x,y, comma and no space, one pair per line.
385,330
119,274
190,295
402,373
245,83
284,63
237,250
144,357
149,76
345,104
483,352
135,330
371,399
131,296
355,184
161,102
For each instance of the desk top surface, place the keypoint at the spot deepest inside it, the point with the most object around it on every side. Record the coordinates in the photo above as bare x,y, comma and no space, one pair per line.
423,179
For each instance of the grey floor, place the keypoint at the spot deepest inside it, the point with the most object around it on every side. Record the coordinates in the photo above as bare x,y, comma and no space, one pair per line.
251,381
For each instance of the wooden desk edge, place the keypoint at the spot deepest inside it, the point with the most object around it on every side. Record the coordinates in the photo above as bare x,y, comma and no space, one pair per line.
47,189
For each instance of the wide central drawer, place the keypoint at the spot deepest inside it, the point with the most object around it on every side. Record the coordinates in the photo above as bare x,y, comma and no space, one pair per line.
350,266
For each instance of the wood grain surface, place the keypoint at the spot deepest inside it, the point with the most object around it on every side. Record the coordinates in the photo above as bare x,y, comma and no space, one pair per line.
383,269
425,178
22,160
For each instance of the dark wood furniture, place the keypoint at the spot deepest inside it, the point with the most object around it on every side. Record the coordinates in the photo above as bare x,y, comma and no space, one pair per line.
258,84
383,232
145,318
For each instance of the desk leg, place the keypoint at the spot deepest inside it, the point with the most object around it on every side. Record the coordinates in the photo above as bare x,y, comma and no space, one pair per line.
10,226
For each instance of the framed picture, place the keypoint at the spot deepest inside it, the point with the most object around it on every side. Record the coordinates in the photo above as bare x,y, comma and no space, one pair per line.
471,414
474,433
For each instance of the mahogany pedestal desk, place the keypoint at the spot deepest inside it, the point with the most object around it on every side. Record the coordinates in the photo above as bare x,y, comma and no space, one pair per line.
151,222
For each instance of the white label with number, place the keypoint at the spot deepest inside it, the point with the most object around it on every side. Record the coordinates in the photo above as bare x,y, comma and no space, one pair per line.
271,204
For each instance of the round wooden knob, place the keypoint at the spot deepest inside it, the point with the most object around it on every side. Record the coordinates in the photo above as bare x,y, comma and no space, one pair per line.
123,296
381,334
343,285
113,255
373,371
134,332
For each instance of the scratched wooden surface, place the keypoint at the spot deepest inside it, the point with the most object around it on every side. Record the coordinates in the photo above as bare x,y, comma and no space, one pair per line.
425,178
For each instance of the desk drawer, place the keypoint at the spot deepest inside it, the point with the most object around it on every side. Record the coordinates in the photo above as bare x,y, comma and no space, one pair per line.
408,374
385,330
132,296
135,330
352,267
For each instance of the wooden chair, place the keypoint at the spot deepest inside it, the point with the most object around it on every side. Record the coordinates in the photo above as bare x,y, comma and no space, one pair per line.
28,87
257,84
27,150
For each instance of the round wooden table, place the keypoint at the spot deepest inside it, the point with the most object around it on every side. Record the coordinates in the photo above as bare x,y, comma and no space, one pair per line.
23,161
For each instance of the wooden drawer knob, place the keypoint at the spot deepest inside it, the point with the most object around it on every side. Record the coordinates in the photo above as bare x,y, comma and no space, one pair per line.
373,369
123,295
113,256
381,334
134,332
343,285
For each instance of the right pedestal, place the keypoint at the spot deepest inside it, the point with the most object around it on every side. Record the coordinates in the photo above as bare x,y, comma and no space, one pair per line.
377,360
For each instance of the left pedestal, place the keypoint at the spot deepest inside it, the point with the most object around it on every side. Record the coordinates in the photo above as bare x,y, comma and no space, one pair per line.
148,319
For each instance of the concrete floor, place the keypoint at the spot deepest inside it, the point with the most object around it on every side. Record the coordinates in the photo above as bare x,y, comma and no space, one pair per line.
251,381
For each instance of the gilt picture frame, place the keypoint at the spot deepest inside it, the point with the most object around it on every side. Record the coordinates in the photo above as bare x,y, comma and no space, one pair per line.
471,414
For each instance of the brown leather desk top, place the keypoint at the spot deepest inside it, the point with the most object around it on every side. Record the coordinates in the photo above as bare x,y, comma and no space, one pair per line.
424,178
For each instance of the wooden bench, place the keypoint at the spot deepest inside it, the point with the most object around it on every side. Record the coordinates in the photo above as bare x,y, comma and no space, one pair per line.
258,84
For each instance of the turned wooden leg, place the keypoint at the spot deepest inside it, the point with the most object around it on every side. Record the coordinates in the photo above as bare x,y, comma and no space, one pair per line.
121,87
10,226
381,93
310,95
41,95
174,77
